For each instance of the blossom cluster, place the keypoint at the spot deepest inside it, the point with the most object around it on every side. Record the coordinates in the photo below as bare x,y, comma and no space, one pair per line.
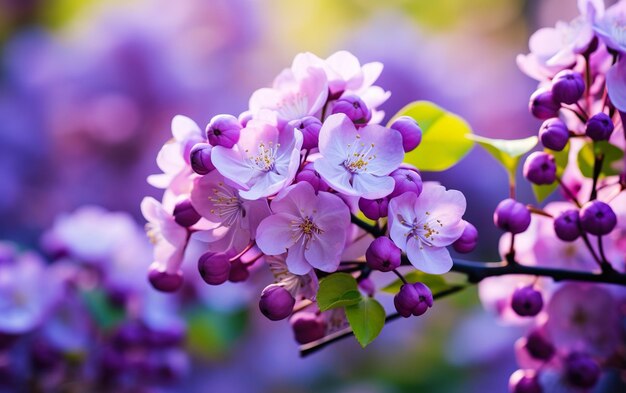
305,183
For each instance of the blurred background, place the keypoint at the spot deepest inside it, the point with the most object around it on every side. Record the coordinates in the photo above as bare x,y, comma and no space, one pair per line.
88,89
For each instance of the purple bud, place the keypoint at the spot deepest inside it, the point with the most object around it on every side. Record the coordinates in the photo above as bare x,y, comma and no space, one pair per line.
310,175
413,299
276,302
45,355
382,254
223,130
353,107
310,128
511,216
568,86
524,381
597,218
554,134
542,104
540,168
238,271
244,118
200,158
468,240
307,327
527,301
374,208
410,131
599,127
581,370
538,346
184,214
567,225
368,286
406,180
214,268
165,281
129,334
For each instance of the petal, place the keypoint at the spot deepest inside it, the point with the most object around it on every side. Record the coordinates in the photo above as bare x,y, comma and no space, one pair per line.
230,164
431,260
151,209
345,64
296,262
616,84
369,186
401,206
274,235
331,211
324,253
386,148
184,128
336,134
296,200
371,72
336,175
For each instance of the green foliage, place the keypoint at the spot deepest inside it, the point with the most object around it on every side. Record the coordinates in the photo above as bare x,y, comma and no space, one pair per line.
507,152
337,290
611,163
212,333
435,282
444,136
106,314
366,318
561,158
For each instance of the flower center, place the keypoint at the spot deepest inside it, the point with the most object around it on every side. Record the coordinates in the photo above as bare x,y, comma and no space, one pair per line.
226,205
423,230
359,155
305,228
265,157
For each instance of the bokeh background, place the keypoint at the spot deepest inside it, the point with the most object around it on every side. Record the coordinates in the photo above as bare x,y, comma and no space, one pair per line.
88,89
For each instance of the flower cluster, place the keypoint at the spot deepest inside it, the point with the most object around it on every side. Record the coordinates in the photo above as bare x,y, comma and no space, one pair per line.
307,183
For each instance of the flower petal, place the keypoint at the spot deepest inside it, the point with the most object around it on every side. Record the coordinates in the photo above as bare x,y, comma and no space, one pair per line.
431,260
274,235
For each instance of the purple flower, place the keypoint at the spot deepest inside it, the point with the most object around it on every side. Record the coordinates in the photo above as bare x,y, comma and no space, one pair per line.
358,163
263,161
310,228
616,84
413,299
223,130
610,27
300,286
423,226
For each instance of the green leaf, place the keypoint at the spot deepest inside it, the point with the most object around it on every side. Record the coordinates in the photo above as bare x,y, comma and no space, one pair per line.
212,333
507,152
104,313
561,158
444,141
436,283
366,319
610,165
337,290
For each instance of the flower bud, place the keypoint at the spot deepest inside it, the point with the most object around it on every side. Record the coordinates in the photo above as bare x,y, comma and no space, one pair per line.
310,175
276,302
200,158
538,346
468,240
542,104
214,268
353,107
567,225
238,271
554,134
524,381
413,299
310,127
165,281
581,370
410,131
511,216
307,327
368,286
184,214
540,168
599,127
223,130
568,86
374,208
406,180
527,301
597,218
382,254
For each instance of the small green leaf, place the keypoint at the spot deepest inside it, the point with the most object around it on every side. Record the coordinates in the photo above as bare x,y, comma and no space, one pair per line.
366,319
444,141
507,152
436,283
337,290
561,158
610,165
104,313
212,333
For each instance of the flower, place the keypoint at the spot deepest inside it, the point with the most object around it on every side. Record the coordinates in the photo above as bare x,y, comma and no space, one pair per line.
610,27
358,163
423,226
310,228
616,84
263,161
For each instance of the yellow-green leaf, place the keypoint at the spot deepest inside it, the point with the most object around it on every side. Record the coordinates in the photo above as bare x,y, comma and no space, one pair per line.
366,319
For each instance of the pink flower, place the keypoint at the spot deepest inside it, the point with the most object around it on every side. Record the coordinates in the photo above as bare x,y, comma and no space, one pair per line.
423,226
299,286
263,161
358,162
310,228
232,220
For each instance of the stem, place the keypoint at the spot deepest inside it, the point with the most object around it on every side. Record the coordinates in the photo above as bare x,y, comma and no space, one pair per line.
538,211
582,112
569,192
597,168
583,234
578,115
400,276
511,186
365,226
606,266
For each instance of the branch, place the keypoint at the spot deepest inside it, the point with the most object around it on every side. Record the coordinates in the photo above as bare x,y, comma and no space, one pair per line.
374,230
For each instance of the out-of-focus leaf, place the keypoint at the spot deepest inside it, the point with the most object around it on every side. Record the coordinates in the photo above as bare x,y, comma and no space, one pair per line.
337,290
561,158
611,164
435,282
211,333
507,152
366,319
104,313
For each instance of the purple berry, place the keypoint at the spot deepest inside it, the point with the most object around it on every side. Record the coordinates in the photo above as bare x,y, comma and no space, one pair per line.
581,370
310,175
599,127
524,381
413,299
184,214
214,268
223,130
568,86
310,128
538,346
527,301
597,218
374,208
511,216
540,168
542,104
468,240
276,302
382,254
353,107
554,134
406,180
165,281
200,158
410,131
567,225
307,327
238,271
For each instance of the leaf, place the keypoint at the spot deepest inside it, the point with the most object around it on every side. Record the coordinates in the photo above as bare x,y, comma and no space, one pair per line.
444,136
337,290
508,152
610,166
104,313
436,283
561,158
366,319
211,333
